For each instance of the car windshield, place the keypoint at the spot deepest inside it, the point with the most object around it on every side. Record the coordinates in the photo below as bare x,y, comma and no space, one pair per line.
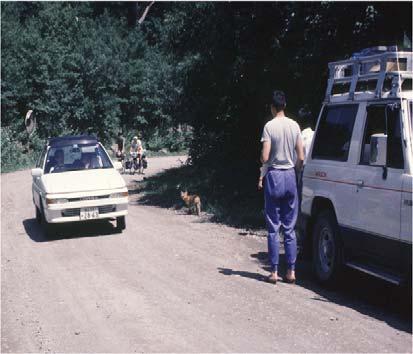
76,157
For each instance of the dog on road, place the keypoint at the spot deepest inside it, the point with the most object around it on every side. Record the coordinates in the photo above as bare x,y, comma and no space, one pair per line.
193,202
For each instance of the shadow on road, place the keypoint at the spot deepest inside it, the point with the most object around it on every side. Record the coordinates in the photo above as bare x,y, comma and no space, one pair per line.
255,276
367,295
69,230
229,207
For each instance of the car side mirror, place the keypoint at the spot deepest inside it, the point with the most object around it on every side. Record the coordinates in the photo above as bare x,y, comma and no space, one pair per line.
378,150
117,165
37,172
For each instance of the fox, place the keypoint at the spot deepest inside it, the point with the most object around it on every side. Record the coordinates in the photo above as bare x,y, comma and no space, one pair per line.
193,202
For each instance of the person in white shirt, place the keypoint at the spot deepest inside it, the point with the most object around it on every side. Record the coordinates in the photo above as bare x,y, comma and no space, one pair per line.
307,138
136,145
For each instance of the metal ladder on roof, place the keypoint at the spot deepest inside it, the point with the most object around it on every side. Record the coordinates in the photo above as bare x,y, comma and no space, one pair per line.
377,73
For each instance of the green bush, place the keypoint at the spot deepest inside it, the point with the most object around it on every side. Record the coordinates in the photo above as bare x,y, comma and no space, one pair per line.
172,140
16,155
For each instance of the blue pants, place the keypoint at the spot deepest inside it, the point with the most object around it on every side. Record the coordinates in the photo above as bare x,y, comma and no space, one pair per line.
281,210
300,188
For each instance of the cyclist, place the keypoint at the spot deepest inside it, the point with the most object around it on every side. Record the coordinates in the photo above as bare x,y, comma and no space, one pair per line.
136,145
135,152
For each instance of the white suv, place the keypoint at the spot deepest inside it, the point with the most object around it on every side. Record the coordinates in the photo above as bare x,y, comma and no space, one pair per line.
76,181
357,185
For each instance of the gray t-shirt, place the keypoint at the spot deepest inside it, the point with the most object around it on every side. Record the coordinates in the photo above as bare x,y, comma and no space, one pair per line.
283,133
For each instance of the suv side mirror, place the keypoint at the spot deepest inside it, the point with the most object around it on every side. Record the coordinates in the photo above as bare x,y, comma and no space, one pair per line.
37,172
117,165
378,150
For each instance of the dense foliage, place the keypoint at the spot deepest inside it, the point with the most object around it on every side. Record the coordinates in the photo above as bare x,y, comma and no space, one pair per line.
82,69
208,65
247,49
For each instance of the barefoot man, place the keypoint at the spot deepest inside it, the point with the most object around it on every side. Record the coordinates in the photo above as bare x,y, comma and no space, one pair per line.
281,142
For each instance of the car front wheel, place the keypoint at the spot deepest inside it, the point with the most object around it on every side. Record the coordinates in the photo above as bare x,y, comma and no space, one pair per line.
38,215
327,248
121,223
48,228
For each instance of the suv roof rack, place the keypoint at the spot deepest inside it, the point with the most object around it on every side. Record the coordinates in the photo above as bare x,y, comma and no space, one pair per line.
373,73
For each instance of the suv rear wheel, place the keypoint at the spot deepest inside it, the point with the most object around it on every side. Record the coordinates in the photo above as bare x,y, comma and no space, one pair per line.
327,248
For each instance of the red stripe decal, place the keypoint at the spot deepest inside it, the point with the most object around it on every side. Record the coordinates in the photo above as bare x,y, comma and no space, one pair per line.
355,184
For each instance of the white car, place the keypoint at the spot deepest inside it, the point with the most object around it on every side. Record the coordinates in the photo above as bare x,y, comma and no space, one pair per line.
356,206
76,181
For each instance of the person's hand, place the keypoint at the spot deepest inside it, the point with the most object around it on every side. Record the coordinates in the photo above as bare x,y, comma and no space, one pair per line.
260,184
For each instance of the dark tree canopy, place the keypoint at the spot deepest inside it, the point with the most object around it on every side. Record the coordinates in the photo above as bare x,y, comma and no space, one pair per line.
209,65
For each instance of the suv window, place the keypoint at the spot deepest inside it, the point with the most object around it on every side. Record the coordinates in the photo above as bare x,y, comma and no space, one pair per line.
333,137
376,123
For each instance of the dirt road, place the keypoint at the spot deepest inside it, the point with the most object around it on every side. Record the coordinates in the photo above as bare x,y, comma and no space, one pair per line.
171,283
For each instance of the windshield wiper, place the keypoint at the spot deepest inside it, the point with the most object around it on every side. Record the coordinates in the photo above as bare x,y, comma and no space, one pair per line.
74,169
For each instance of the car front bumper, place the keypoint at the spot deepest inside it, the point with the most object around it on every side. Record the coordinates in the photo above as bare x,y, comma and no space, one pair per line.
70,212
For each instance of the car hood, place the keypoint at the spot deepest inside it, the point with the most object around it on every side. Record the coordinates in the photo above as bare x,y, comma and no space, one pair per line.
82,181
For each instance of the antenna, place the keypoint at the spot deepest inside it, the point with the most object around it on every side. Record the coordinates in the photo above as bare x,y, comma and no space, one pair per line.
401,101
398,72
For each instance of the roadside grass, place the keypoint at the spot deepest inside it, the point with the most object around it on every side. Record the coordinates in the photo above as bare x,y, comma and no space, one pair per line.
17,155
159,153
18,162
225,205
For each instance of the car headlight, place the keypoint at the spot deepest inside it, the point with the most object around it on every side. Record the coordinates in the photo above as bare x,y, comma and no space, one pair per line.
119,195
56,200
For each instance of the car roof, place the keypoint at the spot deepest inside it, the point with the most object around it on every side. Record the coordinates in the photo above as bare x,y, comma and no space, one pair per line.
72,139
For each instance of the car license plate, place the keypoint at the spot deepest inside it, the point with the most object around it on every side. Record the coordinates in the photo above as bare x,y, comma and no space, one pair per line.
89,213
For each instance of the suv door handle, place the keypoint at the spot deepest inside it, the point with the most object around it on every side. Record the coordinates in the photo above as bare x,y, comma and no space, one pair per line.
360,183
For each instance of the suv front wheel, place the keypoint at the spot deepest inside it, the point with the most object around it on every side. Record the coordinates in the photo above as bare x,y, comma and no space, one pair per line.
327,248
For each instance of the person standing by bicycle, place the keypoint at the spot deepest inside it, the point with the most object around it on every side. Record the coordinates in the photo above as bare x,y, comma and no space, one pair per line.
120,142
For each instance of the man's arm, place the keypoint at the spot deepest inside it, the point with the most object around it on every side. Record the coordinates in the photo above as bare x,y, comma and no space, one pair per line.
265,152
300,154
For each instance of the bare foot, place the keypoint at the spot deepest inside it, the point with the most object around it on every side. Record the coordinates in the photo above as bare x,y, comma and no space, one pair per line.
272,278
290,277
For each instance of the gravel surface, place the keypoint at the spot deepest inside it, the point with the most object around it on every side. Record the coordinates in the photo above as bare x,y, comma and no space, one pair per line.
172,282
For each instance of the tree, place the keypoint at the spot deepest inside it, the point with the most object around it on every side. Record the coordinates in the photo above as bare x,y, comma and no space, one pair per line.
208,65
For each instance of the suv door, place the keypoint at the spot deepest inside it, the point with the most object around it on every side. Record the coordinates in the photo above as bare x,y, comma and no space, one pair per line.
330,172
406,208
379,196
